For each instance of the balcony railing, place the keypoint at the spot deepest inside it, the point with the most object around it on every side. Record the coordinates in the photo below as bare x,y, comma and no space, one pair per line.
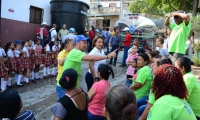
105,10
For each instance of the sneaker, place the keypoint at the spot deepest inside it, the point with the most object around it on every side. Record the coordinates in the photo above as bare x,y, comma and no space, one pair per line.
45,77
10,86
20,85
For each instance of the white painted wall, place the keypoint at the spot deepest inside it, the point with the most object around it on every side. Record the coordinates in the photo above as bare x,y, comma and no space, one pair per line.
21,9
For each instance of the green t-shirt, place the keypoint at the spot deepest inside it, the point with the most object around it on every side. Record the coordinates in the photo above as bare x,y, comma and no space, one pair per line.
144,77
193,88
151,98
74,60
178,37
169,107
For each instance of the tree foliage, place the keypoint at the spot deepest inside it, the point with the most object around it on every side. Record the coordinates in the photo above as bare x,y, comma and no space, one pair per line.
159,7
141,6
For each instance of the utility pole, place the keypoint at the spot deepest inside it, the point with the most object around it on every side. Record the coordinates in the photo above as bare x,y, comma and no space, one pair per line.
121,8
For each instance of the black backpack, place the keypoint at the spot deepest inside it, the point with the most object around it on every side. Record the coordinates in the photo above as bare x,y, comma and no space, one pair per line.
49,34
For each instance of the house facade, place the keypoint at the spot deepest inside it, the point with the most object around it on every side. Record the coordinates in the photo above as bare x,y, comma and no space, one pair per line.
21,18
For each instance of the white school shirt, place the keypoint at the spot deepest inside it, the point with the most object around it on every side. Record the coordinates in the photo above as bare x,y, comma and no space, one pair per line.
17,52
95,51
10,53
3,51
55,48
1,55
165,45
53,32
25,49
47,48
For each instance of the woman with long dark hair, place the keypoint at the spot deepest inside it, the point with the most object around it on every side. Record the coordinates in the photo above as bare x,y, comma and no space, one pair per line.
192,84
11,106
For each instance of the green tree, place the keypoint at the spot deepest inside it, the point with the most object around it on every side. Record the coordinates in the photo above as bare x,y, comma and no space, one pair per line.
141,6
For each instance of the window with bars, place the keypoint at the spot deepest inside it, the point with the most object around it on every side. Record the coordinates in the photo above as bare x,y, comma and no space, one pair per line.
36,15
106,23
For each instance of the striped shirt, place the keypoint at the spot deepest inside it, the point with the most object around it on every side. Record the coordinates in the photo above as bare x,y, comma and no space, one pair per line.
26,115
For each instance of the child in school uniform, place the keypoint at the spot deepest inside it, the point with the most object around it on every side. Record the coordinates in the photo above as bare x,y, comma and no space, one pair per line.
19,68
55,49
26,61
47,61
11,62
37,58
3,71
31,58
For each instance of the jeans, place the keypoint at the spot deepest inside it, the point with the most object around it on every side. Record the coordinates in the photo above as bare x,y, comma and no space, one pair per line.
42,42
126,48
60,92
142,101
107,47
95,117
90,45
128,83
198,118
141,110
89,80
115,59
51,45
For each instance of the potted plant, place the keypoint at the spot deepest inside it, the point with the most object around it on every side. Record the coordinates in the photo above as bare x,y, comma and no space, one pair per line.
196,49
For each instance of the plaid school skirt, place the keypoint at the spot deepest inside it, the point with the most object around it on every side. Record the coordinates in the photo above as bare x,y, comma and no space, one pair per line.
26,64
37,60
47,60
55,60
3,72
32,63
19,64
8,64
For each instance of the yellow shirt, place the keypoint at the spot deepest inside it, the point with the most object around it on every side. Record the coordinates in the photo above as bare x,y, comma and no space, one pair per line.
62,55
112,33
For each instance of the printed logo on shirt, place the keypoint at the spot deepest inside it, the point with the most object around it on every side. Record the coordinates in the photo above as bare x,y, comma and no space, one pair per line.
187,107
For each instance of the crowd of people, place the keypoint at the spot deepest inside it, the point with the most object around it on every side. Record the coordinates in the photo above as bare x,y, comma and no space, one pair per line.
159,83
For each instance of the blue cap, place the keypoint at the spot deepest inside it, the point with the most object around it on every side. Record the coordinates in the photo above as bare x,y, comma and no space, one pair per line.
97,30
71,30
80,38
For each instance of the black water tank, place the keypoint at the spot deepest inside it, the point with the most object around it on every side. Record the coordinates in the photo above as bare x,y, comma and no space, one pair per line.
73,13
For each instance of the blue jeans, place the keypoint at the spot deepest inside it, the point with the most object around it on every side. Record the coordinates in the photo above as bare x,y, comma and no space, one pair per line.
115,59
142,101
42,43
51,45
89,80
126,48
95,117
107,47
141,110
60,92
128,83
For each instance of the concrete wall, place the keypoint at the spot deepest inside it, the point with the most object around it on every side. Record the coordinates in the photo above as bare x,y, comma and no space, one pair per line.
15,16
21,9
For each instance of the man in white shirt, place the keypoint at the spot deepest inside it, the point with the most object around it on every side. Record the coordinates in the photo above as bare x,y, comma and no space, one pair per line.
167,34
53,35
159,43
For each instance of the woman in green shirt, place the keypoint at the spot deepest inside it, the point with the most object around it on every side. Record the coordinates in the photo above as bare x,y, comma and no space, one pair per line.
141,85
170,93
192,84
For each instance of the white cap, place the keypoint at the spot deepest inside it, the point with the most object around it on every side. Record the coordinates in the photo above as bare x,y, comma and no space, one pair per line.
44,23
126,29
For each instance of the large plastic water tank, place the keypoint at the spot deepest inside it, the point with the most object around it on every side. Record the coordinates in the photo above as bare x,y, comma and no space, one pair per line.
73,13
